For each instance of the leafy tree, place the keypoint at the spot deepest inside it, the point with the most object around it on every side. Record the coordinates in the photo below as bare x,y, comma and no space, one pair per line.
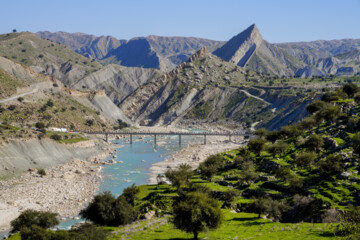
350,89
106,210
14,30
332,165
272,208
283,173
89,122
211,166
249,176
329,113
305,159
261,132
20,99
244,162
315,106
256,145
196,212
290,131
313,142
278,148
180,176
31,217
130,194
273,136
34,232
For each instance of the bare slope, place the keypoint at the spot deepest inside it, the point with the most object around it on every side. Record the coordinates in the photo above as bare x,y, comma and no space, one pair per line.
206,89
46,57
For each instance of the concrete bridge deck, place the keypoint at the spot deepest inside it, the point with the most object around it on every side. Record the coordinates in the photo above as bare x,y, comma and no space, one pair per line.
155,134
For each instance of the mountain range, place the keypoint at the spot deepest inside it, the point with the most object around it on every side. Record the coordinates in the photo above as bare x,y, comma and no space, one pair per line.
247,49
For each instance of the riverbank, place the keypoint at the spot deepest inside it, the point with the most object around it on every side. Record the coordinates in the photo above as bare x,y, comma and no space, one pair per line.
65,189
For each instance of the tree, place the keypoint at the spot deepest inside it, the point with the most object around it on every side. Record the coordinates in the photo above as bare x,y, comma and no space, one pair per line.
197,212
272,208
261,132
34,232
350,89
332,165
14,30
180,176
106,210
256,145
31,217
20,99
278,148
130,194
305,159
211,166
290,131
350,224
313,142
315,106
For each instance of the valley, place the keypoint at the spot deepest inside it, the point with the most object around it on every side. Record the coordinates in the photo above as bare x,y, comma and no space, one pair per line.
299,102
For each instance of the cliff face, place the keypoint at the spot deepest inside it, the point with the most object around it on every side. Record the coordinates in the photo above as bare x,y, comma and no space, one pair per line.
18,156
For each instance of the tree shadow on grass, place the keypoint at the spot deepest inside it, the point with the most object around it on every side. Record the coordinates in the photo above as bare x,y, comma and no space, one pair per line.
248,221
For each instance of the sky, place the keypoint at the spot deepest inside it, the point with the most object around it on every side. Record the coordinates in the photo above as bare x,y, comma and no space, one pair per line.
277,20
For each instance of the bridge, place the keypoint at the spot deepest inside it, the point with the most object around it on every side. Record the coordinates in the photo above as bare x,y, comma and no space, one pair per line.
155,134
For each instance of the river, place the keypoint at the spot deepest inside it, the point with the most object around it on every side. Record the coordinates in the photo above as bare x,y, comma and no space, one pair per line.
133,162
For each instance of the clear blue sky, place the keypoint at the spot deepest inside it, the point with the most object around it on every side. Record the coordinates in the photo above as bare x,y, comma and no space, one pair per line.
278,20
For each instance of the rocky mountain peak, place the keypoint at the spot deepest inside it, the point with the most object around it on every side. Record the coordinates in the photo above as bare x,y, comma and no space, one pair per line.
241,47
199,54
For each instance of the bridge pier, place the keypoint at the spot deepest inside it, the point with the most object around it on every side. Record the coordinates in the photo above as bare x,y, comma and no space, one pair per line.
204,139
229,137
130,138
106,137
155,139
180,139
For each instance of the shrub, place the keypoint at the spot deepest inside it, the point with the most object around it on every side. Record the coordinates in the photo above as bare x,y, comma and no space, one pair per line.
30,217
313,142
129,194
107,210
290,131
261,132
34,233
315,106
331,166
256,145
55,137
305,159
272,208
278,148
196,212
11,107
211,165
50,103
350,224
350,89
40,125
180,176
41,172
356,143
89,122
20,99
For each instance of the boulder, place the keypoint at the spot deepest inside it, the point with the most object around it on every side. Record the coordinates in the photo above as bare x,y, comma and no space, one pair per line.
149,215
329,143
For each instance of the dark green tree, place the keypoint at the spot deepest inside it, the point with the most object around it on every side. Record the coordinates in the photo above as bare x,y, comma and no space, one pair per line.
197,212
350,89
180,176
313,142
130,194
278,148
305,159
256,145
31,217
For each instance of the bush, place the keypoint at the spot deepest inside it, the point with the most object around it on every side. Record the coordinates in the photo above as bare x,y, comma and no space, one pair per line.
107,210
34,233
129,194
50,103
350,224
278,148
290,131
313,142
272,208
55,137
30,217
350,89
41,172
89,122
305,159
180,176
256,145
196,212
12,107
40,125
261,132
356,143
331,166
211,165
20,99
315,106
